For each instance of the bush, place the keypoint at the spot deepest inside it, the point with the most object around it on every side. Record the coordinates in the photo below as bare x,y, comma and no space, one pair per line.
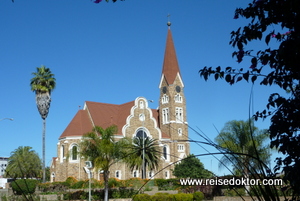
141,197
71,181
53,187
235,192
198,196
24,186
166,184
160,197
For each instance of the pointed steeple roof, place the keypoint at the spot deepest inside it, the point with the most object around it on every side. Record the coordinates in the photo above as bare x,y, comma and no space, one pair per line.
170,65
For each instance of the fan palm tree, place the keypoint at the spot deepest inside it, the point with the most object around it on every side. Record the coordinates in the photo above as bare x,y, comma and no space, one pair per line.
135,154
102,150
245,143
43,84
23,163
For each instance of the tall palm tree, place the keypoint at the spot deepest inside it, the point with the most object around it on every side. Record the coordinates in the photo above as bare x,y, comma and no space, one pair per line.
135,154
100,147
244,142
23,163
43,84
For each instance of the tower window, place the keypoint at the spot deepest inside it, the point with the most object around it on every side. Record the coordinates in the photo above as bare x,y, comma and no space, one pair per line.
165,99
179,131
179,114
178,98
180,147
165,115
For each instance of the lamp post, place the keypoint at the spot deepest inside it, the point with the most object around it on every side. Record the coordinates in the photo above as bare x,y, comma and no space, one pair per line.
144,168
11,119
89,166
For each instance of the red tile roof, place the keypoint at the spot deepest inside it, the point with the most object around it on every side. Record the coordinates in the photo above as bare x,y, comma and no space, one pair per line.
170,65
79,125
101,114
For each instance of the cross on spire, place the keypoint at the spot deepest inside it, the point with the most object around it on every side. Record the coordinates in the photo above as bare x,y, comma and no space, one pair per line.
169,23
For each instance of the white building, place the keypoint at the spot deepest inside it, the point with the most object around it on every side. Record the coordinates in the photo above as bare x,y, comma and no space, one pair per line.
3,165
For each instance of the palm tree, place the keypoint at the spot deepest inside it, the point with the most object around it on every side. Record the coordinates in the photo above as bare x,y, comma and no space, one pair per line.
135,154
43,84
102,150
23,163
245,144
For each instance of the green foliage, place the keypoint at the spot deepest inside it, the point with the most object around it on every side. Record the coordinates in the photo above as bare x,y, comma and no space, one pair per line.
99,194
198,196
24,186
167,184
53,187
276,24
191,167
244,144
99,146
164,197
71,181
43,80
135,151
141,197
235,192
23,163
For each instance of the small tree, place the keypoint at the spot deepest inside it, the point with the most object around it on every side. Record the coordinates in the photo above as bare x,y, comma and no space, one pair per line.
134,154
191,167
24,163
242,137
99,146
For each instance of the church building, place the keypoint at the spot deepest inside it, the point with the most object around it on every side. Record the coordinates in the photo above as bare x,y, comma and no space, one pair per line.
167,124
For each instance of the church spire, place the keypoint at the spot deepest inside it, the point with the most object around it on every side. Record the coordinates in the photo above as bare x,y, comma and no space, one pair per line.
170,65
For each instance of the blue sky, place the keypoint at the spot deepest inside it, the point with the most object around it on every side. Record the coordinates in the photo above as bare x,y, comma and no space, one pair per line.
113,53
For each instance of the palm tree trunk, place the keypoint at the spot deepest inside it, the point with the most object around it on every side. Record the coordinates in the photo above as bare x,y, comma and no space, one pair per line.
106,175
44,150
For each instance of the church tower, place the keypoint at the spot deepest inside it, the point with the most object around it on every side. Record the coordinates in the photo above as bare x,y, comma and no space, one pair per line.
172,105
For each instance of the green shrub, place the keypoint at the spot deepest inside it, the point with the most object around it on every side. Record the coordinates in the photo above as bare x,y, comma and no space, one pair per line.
182,197
71,181
53,187
166,184
112,182
235,192
141,197
160,197
198,196
24,186
79,184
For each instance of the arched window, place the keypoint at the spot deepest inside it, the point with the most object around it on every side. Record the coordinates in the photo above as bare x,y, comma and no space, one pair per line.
118,174
74,153
165,115
166,152
178,98
142,104
165,99
135,173
167,174
179,131
62,153
179,114
142,134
